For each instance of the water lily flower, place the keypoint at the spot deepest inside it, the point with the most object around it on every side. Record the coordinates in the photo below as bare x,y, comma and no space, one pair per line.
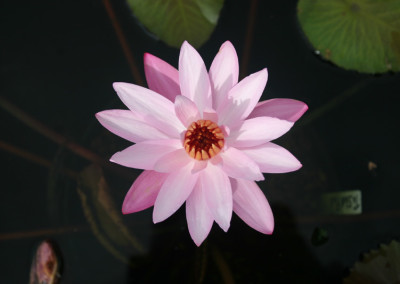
202,138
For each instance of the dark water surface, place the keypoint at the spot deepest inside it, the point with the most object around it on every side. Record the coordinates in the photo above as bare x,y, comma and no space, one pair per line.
58,62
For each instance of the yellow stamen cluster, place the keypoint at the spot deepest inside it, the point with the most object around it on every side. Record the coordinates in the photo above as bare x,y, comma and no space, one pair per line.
203,140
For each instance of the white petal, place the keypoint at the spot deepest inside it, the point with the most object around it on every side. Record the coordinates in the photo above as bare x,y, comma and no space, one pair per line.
198,216
193,77
173,193
272,158
156,109
217,189
144,155
237,165
250,204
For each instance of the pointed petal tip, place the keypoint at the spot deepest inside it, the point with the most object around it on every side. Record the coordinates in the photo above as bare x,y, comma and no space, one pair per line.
260,177
225,227
119,85
302,109
98,115
125,211
156,219
198,239
227,44
267,231
264,72
185,45
147,55
149,58
102,115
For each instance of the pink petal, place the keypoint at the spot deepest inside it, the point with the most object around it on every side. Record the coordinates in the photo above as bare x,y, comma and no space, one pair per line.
257,131
272,158
161,77
186,110
198,216
217,190
129,126
242,98
286,109
144,155
193,77
143,192
210,114
224,73
199,166
156,109
237,165
250,204
173,193
173,161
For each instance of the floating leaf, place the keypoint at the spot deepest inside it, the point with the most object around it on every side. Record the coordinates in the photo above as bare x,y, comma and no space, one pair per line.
175,21
360,35
377,266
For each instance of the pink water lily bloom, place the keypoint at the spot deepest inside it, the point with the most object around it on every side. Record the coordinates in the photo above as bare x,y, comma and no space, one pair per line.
202,138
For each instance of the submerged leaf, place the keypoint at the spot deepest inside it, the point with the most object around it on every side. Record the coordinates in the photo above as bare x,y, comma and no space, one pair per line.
105,220
361,35
319,236
175,21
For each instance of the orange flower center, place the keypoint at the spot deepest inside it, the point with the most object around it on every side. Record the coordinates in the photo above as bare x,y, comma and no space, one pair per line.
203,140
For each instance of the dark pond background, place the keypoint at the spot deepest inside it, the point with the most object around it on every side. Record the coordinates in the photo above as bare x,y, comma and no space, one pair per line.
58,62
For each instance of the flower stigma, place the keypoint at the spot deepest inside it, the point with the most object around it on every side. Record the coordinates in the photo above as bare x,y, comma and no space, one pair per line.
203,140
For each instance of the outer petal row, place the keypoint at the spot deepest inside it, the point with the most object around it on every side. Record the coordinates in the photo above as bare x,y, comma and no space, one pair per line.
155,109
250,204
198,216
217,189
238,165
143,192
161,77
286,109
224,73
242,98
272,158
193,77
174,192
129,125
258,130
144,155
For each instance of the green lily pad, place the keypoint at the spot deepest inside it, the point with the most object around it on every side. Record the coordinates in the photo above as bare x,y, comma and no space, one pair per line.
361,35
174,21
